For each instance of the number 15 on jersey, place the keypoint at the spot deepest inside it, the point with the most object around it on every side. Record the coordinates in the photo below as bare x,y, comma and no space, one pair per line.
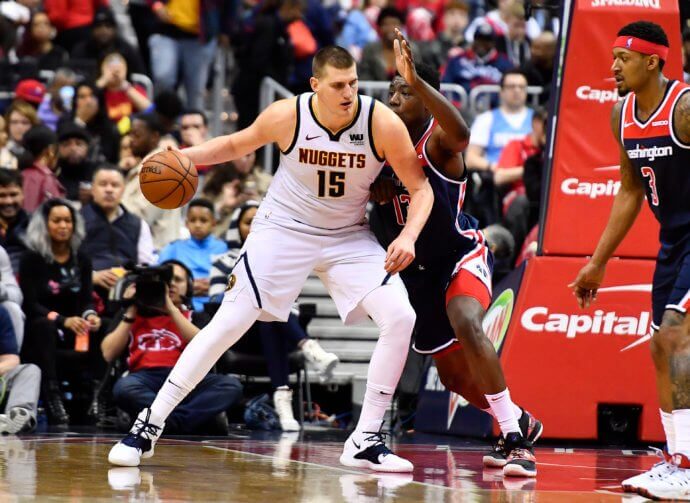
331,183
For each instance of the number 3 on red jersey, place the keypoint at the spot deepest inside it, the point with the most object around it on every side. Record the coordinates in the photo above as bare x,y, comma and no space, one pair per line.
648,172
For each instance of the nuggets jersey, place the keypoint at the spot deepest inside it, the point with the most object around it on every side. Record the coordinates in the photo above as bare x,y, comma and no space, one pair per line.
662,162
323,178
448,231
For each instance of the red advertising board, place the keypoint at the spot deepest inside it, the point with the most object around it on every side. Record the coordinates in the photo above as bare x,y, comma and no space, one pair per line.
584,172
561,361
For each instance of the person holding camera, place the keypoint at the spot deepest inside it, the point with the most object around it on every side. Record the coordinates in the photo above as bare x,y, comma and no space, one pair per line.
153,337
61,322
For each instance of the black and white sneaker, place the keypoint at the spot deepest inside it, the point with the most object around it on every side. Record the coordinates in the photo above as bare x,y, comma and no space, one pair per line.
369,450
138,443
530,427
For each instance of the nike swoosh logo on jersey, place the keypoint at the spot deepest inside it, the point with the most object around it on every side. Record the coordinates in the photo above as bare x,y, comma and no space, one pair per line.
308,138
627,124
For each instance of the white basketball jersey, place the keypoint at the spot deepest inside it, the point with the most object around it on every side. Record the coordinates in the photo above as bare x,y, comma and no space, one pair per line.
323,179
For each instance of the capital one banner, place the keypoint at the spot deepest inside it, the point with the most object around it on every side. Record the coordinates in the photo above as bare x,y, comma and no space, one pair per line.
561,361
584,175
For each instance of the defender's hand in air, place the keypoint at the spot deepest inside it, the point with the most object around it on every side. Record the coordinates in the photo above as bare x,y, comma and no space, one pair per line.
403,58
400,254
587,283
382,190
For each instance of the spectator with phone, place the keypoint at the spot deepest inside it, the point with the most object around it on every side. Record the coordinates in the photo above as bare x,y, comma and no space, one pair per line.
62,326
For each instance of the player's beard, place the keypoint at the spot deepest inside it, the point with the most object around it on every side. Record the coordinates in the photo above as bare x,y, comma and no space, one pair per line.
622,93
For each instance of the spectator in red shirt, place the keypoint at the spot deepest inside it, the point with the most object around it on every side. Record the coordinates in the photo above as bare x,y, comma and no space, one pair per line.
40,182
154,343
72,18
122,99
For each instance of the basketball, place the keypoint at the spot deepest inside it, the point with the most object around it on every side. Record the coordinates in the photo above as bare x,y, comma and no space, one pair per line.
168,180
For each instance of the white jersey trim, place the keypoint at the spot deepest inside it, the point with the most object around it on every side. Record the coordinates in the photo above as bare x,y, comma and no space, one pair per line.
671,127
658,110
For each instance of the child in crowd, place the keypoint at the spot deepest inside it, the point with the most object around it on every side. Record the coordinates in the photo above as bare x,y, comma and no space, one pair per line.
197,251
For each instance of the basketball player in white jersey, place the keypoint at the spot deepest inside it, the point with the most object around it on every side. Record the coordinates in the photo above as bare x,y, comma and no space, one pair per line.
333,144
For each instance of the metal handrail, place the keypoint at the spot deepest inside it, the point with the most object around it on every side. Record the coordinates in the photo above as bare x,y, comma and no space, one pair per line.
533,92
269,91
379,89
145,82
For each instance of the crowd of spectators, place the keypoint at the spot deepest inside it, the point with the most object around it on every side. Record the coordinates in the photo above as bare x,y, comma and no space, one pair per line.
82,103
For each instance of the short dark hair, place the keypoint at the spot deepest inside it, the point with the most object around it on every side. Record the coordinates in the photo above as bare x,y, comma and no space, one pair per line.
646,30
332,55
168,104
429,74
514,71
153,123
195,111
10,177
389,12
107,167
202,203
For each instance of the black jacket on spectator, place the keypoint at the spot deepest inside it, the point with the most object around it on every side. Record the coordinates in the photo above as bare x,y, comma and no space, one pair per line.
12,239
537,76
110,244
72,175
49,286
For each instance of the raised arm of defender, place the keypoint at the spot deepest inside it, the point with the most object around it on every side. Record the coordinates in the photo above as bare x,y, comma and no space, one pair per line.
626,207
275,124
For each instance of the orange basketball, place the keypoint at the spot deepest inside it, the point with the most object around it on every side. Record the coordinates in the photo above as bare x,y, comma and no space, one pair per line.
168,179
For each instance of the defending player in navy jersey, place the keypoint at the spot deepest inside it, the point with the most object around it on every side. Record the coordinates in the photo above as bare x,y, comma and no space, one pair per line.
652,127
449,282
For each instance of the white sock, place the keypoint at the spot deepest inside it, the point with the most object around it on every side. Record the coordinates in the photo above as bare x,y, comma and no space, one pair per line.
230,323
669,430
390,309
504,410
517,410
681,427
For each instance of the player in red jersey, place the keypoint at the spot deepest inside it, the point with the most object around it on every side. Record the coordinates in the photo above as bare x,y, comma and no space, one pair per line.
652,127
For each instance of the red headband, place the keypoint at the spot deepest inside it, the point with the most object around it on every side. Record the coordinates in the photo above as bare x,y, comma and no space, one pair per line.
641,46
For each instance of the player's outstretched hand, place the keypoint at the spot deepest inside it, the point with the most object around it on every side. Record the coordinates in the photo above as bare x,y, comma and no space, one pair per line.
382,190
403,58
400,254
587,283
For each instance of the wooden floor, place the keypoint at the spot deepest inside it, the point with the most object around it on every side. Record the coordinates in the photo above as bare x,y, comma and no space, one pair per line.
276,469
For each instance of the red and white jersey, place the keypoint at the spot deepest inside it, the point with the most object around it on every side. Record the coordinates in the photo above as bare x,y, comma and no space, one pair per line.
661,160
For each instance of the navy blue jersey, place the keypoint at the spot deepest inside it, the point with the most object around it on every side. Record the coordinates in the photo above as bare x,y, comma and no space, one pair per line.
662,161
448,232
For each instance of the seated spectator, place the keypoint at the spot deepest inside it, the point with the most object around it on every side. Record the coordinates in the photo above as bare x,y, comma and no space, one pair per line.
274,340
254,181
37,44
493,129
76,171
378,58
127,159
303,42
122,99
539,69
498,19
146,136
456,17
88,111
356,32
196,252
222,188
104,39
114,236
153,344
20,117
194,131
11,296
7,159
57,100
167,106
40,181
72,18
478,65
510,165
31,91
21,384
61,323
12,16
514,42
13,217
